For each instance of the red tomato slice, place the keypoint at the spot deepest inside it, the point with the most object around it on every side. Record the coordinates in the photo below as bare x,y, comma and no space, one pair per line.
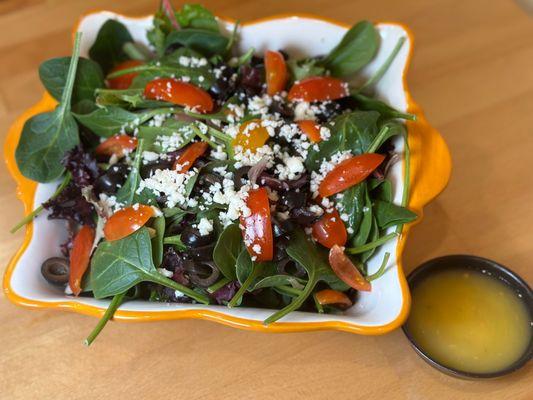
191,153
180,93
311,129
318,88
79,257
329,230
257,227
126,221
117,145
276,72
329,296
349,172
123,81
346,270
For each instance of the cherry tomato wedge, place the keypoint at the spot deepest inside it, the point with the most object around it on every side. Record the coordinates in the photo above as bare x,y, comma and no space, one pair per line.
257,227
191,153
318,88
80,255
276,72
333,297
117,145
349,172
180,93
346,271
311,129
251,136
329,230
123,81
126,221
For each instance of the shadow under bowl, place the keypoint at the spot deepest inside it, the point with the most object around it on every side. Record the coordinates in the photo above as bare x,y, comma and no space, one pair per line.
489,268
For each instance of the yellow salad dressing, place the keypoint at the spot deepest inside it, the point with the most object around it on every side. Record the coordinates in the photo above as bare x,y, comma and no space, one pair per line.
469,321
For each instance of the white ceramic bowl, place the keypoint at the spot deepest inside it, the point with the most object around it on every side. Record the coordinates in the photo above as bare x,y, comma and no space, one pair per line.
379,311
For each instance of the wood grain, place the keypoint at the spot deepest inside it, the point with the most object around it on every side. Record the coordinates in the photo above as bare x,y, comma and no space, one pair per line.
472,72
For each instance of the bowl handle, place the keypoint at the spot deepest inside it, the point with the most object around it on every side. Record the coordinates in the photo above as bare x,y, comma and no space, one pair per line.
431,164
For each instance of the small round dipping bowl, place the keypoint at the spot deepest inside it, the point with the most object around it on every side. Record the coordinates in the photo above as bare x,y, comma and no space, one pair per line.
490,268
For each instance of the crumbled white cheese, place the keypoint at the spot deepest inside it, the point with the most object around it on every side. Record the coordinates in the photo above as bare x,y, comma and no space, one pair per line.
192,62
149,156
165,272
291,168
256,249
303,110
170,183
249,157
219,153
205,226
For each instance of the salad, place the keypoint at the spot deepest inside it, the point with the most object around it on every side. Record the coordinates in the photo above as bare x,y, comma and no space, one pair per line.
189,173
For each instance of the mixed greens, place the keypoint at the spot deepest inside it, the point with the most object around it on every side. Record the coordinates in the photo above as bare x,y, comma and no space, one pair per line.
189,173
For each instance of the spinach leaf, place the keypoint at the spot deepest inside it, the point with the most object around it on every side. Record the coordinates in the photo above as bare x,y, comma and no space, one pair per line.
176,242
89,77
127,193
389,214
170,127
306,253
352,131
381,190
247,272
372,237
107,49
196,16
307,67
127,98
244,266
160,29
110,120
157,240
382,70
119,265
352,204
388,130
46,137
208,43
227,250
365,226
386,111
356,49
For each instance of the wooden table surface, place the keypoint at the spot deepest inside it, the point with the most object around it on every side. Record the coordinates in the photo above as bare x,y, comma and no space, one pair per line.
472,72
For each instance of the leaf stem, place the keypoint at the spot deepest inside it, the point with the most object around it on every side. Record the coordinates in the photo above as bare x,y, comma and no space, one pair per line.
371,245
297,302
381,269
39,209
406,178
71,75
377,142
111,309
288,290
199,133
233,36
385,66
162,280
216,286
135,51
318,306
245,285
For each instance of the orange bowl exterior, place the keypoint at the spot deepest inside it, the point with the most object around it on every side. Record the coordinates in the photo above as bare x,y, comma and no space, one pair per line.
430,168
